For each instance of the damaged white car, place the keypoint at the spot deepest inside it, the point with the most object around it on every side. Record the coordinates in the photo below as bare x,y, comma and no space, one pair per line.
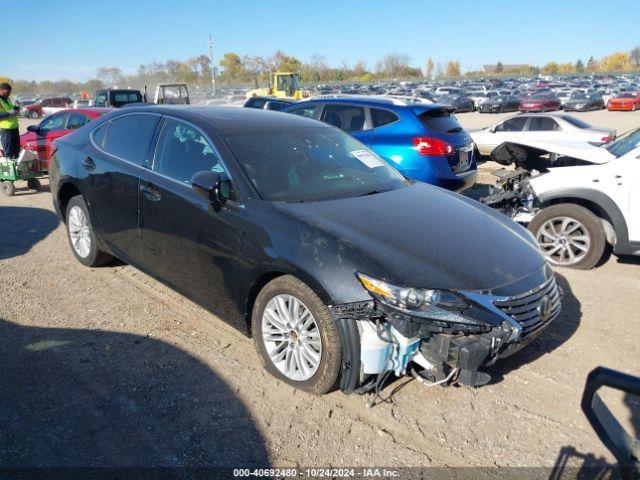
575,197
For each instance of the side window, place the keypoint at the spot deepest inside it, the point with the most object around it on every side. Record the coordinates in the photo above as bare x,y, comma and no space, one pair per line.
305,110
99,134
256,102
512,125
182,151
101,99
77,120
543,124
52,123
382,117
346,117
129,137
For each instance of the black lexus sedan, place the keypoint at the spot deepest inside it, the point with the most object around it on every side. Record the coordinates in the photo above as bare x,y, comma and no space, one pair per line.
340,268
499,104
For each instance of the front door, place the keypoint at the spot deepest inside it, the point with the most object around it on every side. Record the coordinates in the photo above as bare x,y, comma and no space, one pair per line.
186,242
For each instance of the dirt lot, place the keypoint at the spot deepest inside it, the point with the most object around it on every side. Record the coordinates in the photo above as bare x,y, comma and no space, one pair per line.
107,367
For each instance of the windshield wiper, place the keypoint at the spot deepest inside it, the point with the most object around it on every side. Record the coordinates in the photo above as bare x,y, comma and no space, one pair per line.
454,130
374,192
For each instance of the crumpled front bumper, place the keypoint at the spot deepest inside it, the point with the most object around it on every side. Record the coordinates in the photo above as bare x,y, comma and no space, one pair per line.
506,324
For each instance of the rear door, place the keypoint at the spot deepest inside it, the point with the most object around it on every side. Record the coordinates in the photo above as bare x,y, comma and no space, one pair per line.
185,241
353,119
110,174
544,128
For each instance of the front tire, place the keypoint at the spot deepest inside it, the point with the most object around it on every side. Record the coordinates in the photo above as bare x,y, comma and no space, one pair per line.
569,235
296,335
82,238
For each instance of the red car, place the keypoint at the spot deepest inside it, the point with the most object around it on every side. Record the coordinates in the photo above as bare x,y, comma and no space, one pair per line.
540,103
626,101
35,110
39,137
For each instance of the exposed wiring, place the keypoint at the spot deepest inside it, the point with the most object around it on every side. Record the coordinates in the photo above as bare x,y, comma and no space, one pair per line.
426,383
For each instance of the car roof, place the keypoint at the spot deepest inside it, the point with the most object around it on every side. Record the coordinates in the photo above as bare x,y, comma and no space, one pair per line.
229,119
382,100
89,110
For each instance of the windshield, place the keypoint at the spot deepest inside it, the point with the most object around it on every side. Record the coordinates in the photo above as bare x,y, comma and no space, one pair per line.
310,164
626,95
624,143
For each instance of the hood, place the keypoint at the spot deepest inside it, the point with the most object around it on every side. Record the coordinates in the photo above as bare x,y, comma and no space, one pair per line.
424,236
575,149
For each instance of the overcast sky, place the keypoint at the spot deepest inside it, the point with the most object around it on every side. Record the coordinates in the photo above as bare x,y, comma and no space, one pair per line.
71,38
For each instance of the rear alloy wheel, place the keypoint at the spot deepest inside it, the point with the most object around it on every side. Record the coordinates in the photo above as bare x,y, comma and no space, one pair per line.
569,236
81,236
296,336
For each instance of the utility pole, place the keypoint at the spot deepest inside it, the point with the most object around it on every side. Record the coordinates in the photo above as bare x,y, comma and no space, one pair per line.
213,73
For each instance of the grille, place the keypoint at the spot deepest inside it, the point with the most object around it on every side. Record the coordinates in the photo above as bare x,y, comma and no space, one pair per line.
526,309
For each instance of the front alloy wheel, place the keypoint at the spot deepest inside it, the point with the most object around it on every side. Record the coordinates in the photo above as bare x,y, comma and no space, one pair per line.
563,240
296,335
569,235
291,337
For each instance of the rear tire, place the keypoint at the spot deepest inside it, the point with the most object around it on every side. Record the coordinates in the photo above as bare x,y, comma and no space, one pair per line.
82,238
8,188
308,358
569,236
34,114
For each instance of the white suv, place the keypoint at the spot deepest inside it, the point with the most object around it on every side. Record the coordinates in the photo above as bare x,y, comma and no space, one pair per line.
575,197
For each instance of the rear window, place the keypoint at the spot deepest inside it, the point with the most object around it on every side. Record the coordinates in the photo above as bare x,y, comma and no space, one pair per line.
576,122
440,120
382,117
543,124
99,134
126,97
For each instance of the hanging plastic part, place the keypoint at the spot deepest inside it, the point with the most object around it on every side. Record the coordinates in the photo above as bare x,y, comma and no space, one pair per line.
426,383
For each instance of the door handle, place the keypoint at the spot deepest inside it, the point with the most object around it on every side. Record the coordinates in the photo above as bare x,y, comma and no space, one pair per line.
151,193
89,164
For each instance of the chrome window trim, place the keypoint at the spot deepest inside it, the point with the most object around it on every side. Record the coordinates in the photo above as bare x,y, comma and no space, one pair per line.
109,122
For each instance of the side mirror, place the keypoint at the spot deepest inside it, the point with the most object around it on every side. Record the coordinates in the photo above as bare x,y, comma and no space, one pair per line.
207,184
32,128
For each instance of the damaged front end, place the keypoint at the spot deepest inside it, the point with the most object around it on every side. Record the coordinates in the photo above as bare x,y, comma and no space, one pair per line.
439,337
512,193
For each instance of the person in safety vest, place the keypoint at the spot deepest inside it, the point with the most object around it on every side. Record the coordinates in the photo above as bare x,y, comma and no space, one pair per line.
9,133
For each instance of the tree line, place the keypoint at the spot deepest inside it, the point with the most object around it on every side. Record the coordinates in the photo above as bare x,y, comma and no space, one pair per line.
234,70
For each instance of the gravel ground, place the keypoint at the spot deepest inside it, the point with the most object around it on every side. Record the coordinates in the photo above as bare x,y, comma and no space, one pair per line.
107,367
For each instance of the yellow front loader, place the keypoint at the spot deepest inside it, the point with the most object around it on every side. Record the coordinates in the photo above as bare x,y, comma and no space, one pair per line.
282,85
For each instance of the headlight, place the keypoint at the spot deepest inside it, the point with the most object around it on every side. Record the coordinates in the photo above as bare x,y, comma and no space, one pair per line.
436,304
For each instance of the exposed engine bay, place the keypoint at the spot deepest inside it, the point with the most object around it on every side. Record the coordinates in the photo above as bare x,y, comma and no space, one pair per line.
512,194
